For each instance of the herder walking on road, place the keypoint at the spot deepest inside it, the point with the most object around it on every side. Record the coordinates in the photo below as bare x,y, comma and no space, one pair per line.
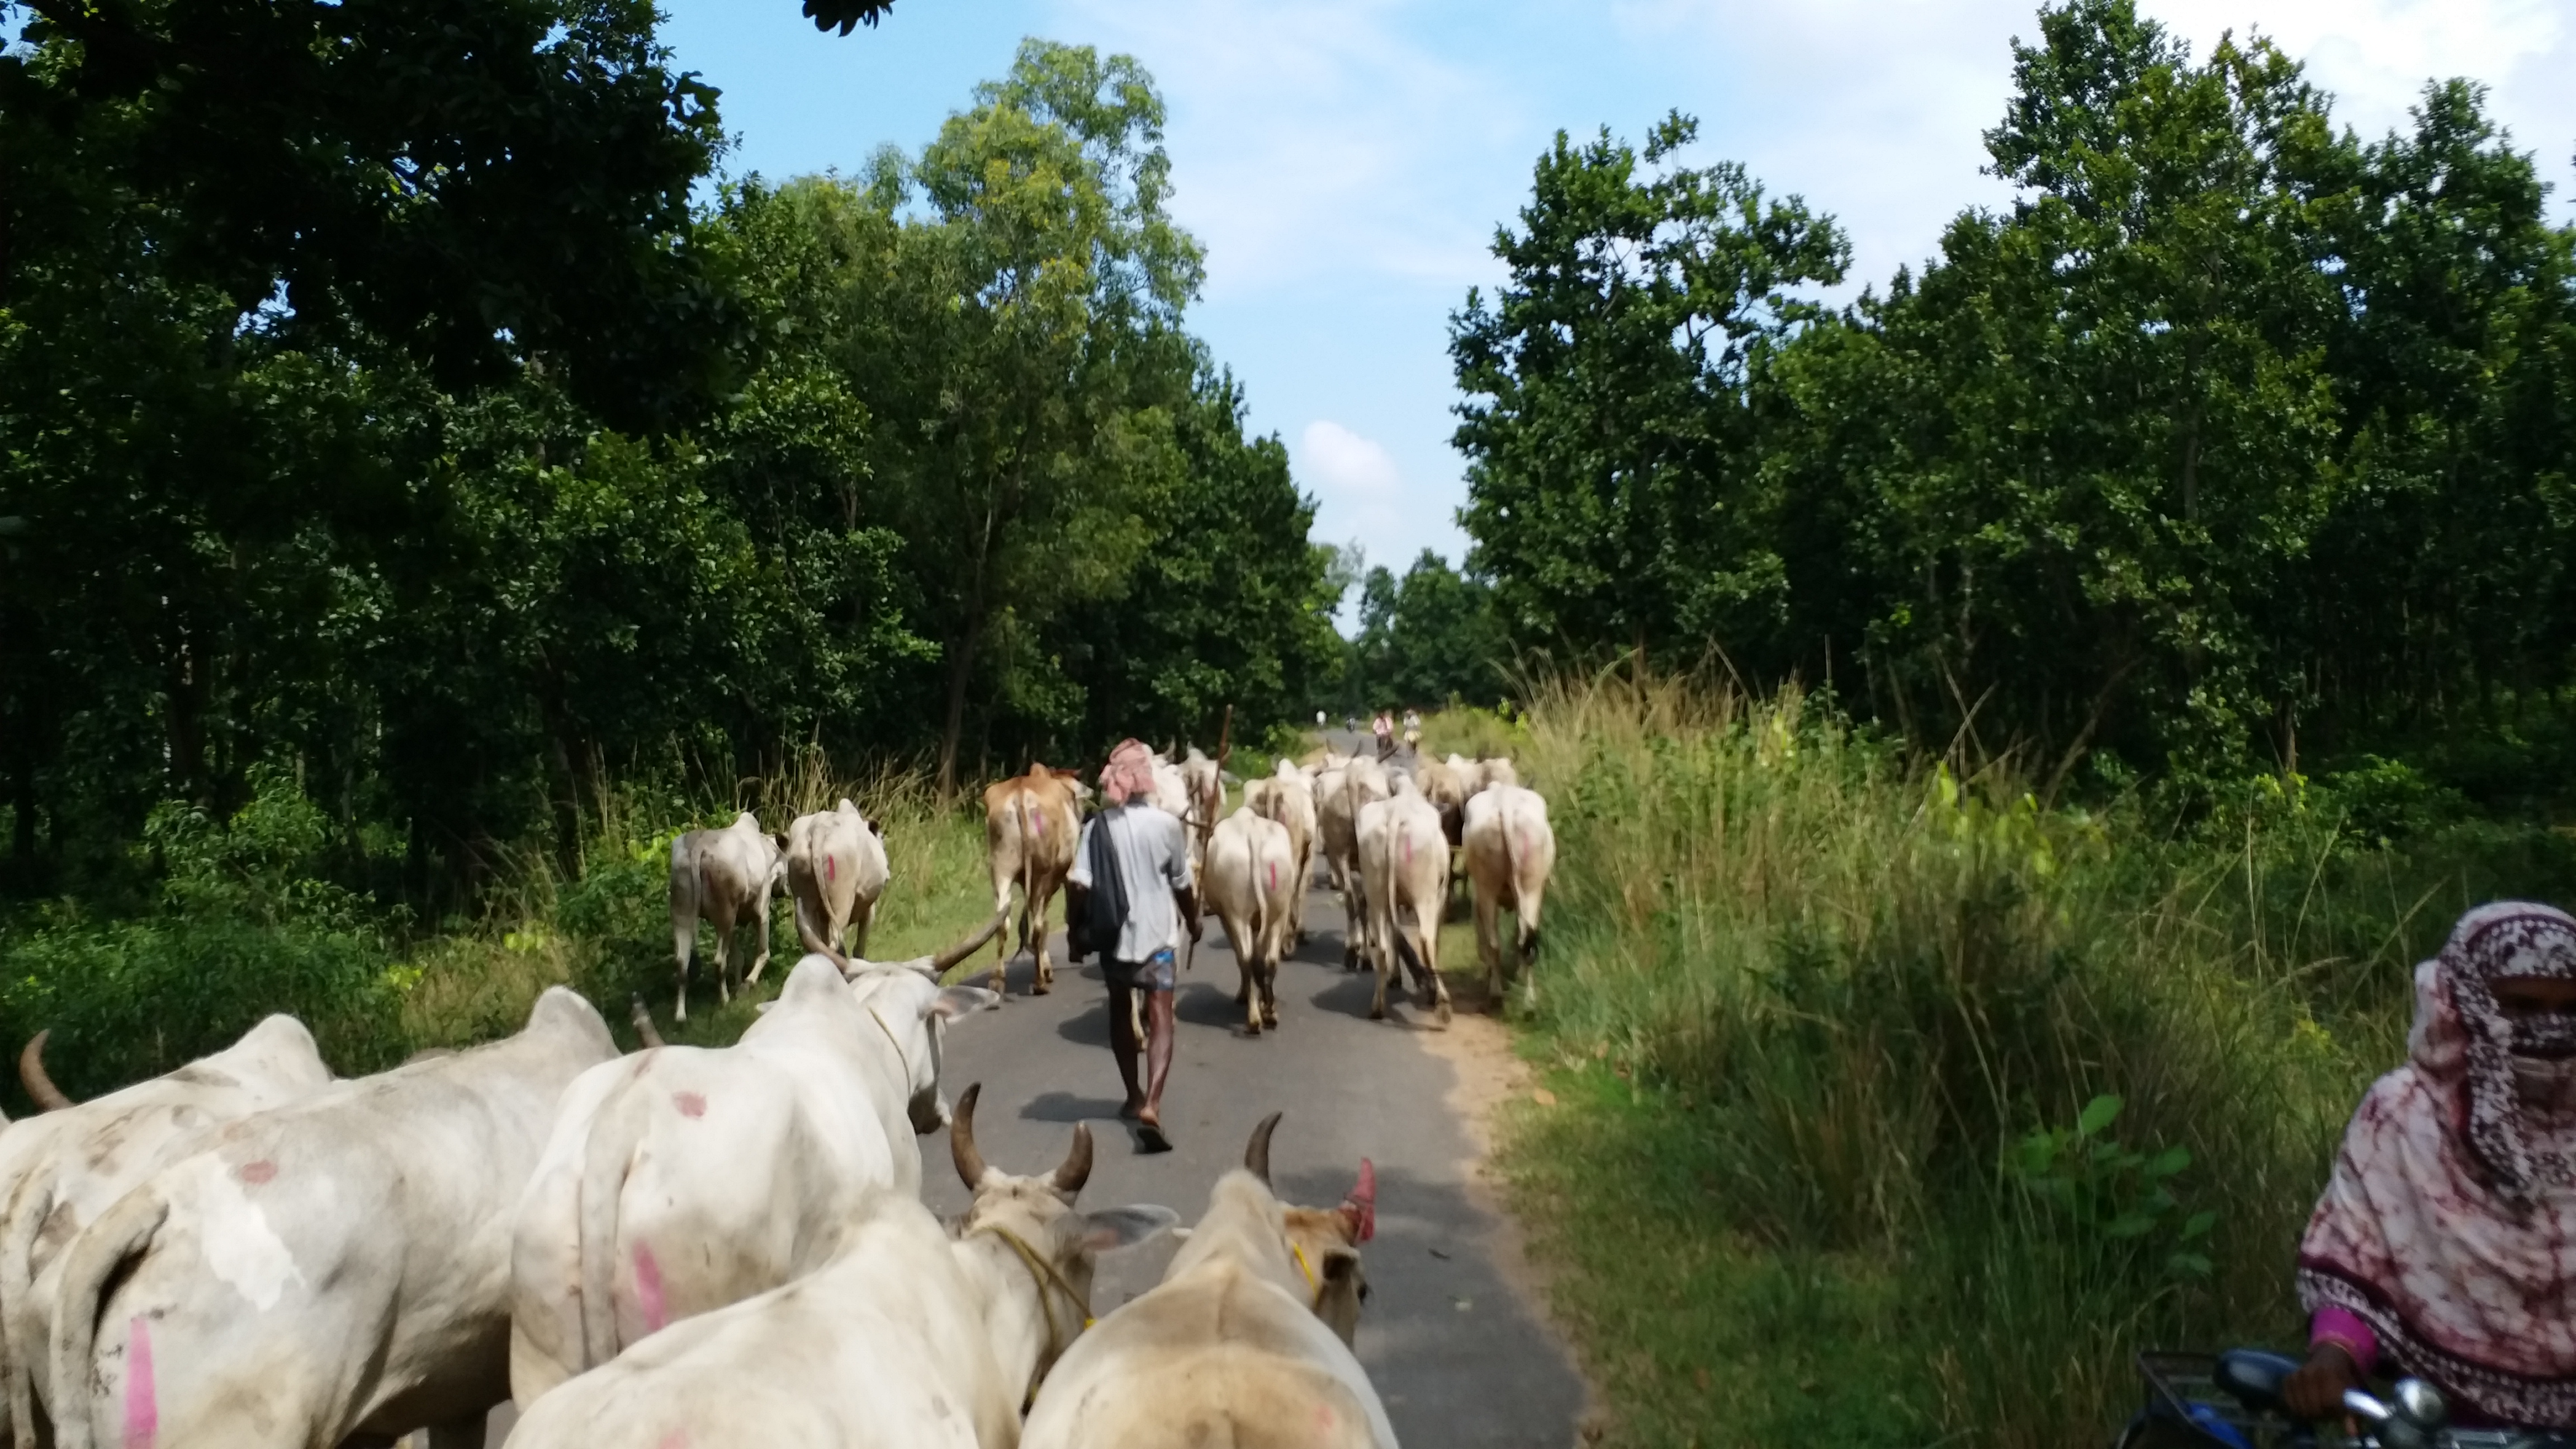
1132,869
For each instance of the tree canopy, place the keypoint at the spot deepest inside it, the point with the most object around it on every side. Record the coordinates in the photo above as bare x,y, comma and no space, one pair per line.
2233,436
431,445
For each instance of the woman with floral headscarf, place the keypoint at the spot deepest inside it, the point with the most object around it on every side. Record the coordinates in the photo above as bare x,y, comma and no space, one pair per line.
2446,1240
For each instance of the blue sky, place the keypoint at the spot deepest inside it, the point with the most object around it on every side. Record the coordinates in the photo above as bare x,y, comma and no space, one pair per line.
1346,161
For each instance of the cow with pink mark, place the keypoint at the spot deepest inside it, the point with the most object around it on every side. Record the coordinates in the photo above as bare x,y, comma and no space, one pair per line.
911,1336
331,1269
687,1178
1250,878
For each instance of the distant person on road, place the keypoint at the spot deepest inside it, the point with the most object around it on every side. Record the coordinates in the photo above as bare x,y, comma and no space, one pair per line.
1412,728
2440,1246
1384,728
1131,869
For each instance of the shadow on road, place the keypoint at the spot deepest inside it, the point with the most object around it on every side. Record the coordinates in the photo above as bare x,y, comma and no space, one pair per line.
1066,1107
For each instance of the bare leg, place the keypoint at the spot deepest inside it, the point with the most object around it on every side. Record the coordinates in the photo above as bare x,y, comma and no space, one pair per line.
1123,1043
1158,1054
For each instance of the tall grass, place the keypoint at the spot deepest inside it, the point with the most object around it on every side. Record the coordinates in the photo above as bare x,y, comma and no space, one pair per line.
1892,1107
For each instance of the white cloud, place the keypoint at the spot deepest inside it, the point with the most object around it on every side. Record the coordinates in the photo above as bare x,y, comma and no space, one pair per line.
2376,55
1347,466
1311,141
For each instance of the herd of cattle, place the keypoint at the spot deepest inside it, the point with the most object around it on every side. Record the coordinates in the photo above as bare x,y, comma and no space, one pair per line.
692,1246
1386,838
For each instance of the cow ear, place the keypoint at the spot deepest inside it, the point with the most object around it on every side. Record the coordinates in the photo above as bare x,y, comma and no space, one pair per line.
953,1002
1125,1227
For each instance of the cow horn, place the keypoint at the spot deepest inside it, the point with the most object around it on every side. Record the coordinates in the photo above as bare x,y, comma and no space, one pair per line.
961,1139
1361,1206
644,1028
31,1072
1077,1163
940,963
1256,1153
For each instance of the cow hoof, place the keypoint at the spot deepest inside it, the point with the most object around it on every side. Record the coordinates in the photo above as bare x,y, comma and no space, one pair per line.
1040,988
1444,1014
1252,1028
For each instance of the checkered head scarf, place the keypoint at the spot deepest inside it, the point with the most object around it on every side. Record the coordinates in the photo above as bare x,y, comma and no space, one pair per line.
1129,775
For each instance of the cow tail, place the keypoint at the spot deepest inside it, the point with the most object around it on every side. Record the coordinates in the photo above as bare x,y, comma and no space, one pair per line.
1393,958
605,1161
1028,877
684,909
17,1283
807,931
117,1238
1260,905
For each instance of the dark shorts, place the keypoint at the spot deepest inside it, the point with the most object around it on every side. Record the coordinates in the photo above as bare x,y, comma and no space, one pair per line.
1154,973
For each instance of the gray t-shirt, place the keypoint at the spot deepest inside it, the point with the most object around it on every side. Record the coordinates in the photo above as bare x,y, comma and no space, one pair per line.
1154,861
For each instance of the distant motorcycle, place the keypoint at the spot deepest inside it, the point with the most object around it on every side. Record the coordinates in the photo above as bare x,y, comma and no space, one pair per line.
2232,1400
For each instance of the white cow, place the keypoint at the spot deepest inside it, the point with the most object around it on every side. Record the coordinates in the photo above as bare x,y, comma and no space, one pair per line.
683,1179
910,1339
1340,797
1203,782
836,872
1511,850
1404,863
67,1166
722,875
1289,798
1246,1342
334,1267
1251,876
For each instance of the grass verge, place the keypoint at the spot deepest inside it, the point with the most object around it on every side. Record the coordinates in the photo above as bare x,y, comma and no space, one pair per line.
1892,1108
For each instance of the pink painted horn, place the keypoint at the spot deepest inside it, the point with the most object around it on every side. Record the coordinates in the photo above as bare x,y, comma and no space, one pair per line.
1361,1205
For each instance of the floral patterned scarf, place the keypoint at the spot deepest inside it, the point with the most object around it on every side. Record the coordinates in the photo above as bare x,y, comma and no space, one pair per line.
2450,1223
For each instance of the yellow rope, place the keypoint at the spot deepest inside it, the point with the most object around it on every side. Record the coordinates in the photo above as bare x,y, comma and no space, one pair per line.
1047,1277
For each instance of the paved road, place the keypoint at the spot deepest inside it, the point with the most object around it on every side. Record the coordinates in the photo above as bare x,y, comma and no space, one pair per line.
1458,1353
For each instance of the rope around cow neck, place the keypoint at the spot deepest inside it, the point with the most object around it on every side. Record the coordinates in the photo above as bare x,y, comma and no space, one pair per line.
1045,1275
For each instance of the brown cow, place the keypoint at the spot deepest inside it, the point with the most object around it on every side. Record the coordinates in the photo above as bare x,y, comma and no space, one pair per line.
1030,825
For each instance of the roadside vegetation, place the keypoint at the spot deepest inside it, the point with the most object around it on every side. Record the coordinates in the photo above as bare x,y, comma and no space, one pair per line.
250,920
1890,1107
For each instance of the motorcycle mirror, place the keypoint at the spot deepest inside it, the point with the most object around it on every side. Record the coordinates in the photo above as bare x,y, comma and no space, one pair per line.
2360,1404
2422,1403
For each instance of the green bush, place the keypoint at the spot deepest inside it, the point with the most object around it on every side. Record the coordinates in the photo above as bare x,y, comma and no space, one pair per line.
245,925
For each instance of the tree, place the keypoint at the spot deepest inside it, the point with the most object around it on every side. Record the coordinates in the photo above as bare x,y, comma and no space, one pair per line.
471,182
1229,606
1427,638
1042,316
1604,422
2096,435
847,15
